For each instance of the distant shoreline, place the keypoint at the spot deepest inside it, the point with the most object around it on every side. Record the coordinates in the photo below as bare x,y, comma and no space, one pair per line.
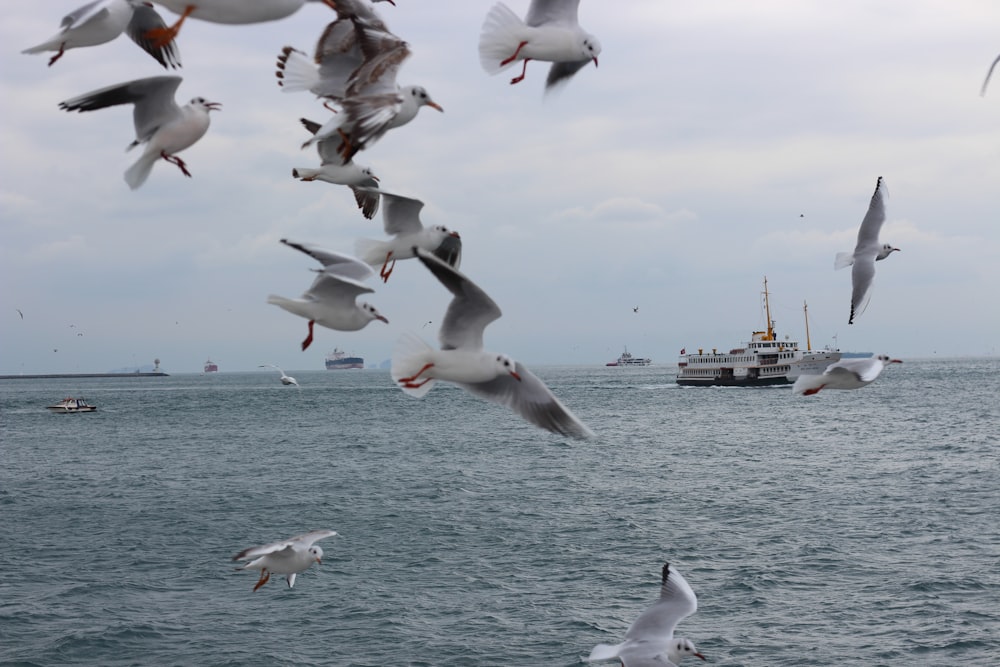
60,376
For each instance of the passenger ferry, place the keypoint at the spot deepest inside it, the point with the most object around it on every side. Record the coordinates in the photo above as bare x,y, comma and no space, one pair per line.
763,361
626,359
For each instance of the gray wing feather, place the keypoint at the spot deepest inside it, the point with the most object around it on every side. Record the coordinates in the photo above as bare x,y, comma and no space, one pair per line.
677,601
336,289
552,11
862,277
469,312
989,73
401,215
153,98
143,20
80,15
561,72
334,263
872,224
532,400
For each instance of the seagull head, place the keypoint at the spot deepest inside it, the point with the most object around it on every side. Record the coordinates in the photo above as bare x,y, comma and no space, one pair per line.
201,102
373,313
885,251
590,48
421,97
505,364
317,553
886,359
679,648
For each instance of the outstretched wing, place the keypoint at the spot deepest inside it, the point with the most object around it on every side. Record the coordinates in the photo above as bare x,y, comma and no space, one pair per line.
533,400
556,12
143,20
469,312
677,601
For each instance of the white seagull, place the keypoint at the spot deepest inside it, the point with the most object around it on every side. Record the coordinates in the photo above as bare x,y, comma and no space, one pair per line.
989,73
401,221
844,374
285,379
232,12
336,57
163,126
867,251
650,641
416,367
374,103
331,300
287,557
550,32
333,169
102,21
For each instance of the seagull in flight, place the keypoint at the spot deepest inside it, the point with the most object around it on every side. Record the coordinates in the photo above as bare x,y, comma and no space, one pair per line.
163,126
650,641
844,374
330,300
416,367
867,251
550,32
285,379
288,557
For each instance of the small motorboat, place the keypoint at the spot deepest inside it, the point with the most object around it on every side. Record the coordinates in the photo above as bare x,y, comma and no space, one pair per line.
72,405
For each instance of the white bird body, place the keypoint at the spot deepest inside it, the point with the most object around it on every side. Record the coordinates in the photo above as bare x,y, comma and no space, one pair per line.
331,300
844,374
288,557
550,32
867,251
236,12
334,169
401,221
416,367
183,131
285,379
650,641
102,21
164,127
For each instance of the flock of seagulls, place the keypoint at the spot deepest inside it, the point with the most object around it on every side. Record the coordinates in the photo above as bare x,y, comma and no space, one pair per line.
353,71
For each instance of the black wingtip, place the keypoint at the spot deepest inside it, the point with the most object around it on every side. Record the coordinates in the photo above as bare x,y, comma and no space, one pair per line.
666,573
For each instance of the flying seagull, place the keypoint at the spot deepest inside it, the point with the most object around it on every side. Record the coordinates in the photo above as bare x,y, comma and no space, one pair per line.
164,127
416,367
288,557
650,639
844,374
549,32
867,251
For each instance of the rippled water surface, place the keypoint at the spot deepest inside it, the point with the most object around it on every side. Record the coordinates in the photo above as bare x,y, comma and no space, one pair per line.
856,527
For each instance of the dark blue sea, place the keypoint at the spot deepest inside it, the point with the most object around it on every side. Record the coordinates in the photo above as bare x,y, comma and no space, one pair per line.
848,528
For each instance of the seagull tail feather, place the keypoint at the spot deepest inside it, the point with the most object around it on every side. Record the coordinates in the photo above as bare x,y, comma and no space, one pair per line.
297,72
604,652
408,357
807,383
843,260
502,31
137,174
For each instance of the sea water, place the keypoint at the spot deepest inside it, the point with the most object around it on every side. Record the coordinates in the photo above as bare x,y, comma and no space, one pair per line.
851,527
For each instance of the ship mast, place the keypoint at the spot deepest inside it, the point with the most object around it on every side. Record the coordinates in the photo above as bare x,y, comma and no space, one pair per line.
767,311
805,310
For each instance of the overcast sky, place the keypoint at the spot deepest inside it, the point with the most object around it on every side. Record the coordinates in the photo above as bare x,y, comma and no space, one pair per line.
716,143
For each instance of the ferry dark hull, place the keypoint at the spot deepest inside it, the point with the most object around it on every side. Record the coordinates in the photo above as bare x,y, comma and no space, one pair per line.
733,382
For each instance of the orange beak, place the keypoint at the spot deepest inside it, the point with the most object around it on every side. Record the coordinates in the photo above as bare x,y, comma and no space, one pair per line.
435,105
515,376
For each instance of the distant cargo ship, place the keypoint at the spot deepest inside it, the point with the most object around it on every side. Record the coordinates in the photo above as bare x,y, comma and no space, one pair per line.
211,367
338,361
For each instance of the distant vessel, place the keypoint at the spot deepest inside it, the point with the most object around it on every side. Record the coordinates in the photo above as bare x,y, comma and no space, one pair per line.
72,405
338,361
855,355
211,367
626,359
763,361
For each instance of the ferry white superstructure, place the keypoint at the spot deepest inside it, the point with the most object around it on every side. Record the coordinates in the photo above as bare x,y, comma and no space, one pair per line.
764,360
